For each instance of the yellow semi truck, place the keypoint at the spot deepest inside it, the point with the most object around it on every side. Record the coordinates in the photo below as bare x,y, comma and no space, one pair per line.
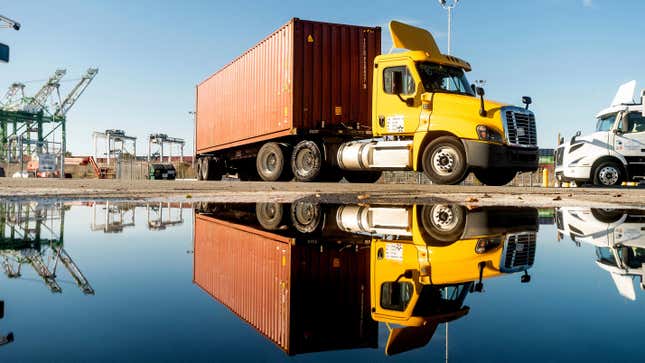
360,112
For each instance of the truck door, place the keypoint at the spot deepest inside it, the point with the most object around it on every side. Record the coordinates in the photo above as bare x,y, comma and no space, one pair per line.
397,114
394,291
630,142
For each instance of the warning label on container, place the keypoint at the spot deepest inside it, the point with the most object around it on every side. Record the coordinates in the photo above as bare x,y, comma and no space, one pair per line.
394,251
395,123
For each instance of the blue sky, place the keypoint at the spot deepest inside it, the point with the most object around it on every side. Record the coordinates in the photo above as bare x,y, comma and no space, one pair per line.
569,55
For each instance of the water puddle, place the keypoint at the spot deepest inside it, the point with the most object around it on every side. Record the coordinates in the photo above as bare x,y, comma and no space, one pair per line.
110,281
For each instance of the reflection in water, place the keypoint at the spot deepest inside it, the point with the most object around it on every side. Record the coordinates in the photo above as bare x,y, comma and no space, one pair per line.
313,277
111,217
8,338
31,234
618,238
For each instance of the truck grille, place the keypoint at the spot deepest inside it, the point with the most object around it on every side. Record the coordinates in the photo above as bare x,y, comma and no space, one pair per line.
519,125
519,252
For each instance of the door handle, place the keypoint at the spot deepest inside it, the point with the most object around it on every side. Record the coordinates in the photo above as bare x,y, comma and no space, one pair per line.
381,120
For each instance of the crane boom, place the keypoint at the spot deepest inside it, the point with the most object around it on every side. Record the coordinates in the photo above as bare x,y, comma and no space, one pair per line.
39,101
76,92
14,97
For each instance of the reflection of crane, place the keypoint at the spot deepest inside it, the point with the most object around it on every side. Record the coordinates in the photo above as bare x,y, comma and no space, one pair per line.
155,212
115,217
31,234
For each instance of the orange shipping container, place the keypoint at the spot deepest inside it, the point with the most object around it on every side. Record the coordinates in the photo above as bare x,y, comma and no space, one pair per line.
302,76
302,298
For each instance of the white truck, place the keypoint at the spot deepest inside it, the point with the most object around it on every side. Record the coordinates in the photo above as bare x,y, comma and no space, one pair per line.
618,238
615,152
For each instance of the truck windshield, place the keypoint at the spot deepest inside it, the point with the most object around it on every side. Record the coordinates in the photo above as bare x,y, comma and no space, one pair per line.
606,122
438,78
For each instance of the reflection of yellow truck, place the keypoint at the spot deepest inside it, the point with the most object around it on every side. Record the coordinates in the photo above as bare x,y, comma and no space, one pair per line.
431,257
424,260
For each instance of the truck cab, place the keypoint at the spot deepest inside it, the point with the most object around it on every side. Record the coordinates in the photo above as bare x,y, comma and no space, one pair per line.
430,118
614,152
618,238
427,259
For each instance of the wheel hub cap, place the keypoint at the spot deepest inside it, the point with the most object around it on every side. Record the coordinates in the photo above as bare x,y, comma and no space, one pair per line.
443,217
444,160
608,175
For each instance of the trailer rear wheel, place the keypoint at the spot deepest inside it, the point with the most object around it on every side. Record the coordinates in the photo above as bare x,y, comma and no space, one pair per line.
495,176
367,176
271,162
198,169
306,161
306,217
444,161
212,168
269,215
608,174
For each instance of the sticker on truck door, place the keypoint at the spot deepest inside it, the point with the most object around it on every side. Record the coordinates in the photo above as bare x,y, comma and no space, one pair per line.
394,251
395,123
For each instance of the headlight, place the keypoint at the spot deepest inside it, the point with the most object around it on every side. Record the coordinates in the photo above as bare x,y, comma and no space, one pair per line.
488,134
487,245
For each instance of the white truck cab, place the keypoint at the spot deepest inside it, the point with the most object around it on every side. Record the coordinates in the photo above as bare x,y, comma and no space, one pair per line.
615,152
618,238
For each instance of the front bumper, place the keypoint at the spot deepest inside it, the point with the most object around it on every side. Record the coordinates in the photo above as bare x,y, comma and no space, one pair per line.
486,155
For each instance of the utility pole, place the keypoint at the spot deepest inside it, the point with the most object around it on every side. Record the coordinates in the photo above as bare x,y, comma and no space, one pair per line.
449,5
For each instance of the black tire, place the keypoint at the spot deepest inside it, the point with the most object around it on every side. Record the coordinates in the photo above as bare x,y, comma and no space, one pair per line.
306,161
607,215
212,169
306,217
198,169
270,215
444,161
608,174
443,224
362,176
271,162
495,176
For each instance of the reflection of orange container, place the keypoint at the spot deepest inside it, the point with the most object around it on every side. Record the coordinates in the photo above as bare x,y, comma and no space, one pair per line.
301,298
302,75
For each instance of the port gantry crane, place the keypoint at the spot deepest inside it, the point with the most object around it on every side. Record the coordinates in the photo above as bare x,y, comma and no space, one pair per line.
29,236
23,119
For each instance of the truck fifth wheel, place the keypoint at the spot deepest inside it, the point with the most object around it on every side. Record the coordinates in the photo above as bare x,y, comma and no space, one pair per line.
317,101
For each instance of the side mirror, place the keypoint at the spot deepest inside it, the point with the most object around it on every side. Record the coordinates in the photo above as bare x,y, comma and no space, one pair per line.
397,83
617,131
474,88
527,101
480,91
4,53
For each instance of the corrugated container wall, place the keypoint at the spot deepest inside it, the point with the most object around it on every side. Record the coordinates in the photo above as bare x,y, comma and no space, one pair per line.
301,75
303,298
247,272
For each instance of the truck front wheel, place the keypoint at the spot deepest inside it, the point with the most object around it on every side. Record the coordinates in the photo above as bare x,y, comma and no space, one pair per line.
271,162
306,161
608,174
444,161
495,176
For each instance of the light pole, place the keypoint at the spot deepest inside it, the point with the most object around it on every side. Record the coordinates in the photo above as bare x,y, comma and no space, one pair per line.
449,5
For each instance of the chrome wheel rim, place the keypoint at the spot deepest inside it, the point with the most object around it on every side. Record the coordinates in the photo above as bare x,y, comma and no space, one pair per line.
305,161
269,164
608,175
443,218
445,160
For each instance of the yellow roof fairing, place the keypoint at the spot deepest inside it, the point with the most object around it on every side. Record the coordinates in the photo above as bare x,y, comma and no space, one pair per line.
417,39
